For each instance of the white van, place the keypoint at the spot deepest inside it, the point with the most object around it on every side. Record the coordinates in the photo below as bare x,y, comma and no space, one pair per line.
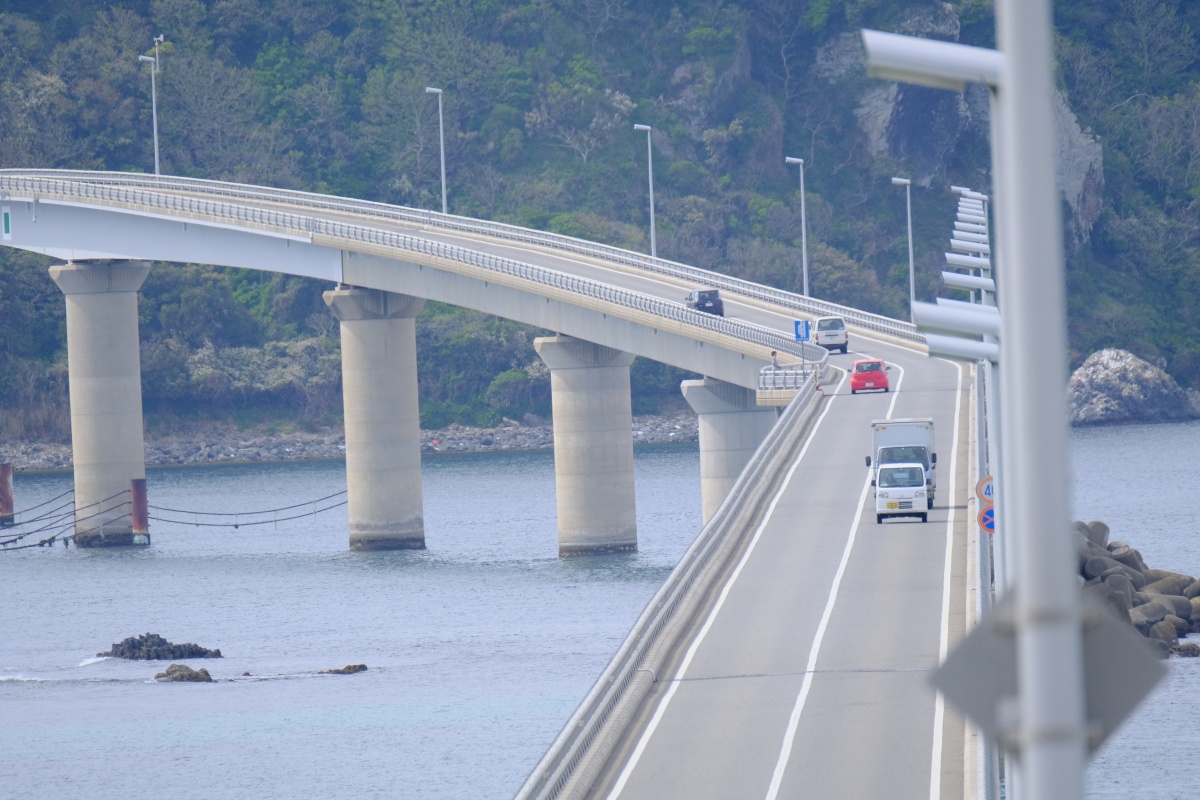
830,333
900,491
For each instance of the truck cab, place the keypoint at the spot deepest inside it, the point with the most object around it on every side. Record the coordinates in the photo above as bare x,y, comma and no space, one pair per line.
905,441
900,491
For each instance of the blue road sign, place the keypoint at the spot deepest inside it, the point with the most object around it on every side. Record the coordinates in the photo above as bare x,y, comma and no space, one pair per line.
987,519
801,330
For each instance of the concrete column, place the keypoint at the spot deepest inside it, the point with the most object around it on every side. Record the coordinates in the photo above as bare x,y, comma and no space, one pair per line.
105,375
383,433
593,445
732,426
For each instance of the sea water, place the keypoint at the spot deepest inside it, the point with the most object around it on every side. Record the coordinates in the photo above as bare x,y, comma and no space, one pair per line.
478,648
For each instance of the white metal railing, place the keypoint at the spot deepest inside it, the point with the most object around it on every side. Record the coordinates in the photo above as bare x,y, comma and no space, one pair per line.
171,195
55,181
786,378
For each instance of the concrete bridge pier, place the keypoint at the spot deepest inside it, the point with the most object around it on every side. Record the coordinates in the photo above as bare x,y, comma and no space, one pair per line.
104,369
593,445
732,426
383,434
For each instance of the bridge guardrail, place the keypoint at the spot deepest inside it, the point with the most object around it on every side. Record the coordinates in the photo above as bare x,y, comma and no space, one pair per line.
155,197
577,755
334,204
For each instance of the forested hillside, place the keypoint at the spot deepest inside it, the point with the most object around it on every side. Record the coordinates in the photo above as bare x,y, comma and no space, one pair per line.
540,101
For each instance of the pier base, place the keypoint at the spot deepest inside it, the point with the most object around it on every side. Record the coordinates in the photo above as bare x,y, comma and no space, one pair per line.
383,434
104,371
593,445
732,426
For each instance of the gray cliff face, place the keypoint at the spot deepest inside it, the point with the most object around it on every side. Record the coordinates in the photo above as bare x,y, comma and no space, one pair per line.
926,126
1115,386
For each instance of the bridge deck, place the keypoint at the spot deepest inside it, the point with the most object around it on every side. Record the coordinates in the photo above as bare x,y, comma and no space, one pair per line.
807,674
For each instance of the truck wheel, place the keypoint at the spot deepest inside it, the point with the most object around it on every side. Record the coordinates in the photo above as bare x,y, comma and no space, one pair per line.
854,391
929,504
924,517
844,348
879,519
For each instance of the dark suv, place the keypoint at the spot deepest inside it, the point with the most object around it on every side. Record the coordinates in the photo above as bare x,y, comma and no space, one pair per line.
707,300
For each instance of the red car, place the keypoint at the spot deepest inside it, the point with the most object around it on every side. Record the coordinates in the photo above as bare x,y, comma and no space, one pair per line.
867,375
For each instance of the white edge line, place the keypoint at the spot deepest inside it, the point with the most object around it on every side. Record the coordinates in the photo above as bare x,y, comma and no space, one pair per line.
789,737
659,712
939,703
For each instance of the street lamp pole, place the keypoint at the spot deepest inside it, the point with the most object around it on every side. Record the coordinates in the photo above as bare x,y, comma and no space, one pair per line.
650,163
441,141
803,221
912,283
153,61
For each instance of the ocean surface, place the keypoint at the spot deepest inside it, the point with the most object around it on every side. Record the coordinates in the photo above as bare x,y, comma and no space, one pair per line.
477,648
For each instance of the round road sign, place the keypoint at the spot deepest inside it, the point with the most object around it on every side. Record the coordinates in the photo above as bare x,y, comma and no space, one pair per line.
987,519
985,490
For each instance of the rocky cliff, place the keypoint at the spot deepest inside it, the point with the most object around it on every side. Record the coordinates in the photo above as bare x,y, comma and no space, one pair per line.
1115,386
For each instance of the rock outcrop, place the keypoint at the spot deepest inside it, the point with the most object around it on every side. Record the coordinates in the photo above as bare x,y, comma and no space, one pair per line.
349,669
1115,386
152,647
1159,604
184,673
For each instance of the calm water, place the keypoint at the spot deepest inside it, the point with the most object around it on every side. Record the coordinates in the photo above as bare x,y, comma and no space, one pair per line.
478,648
1141,480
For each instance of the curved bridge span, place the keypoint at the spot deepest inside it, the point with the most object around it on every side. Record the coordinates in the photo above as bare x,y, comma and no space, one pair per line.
788,653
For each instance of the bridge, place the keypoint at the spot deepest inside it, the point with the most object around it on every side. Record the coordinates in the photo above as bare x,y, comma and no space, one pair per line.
818,627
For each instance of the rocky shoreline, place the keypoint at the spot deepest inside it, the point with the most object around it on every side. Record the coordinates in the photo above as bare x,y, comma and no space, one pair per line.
216,444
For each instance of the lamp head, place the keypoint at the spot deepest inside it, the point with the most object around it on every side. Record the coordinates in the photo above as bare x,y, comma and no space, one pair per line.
790,160
431,90
146,58
900,181
641,127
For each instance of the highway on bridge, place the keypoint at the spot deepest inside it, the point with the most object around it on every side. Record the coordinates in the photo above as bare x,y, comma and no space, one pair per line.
806,675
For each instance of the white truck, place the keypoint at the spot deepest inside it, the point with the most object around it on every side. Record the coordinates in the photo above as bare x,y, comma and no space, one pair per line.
900,491
905,441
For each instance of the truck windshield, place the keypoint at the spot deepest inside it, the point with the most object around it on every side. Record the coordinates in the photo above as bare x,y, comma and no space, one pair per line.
908,453
901,477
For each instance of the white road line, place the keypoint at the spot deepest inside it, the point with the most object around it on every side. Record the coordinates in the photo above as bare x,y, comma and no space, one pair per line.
789,737
939,703
636,755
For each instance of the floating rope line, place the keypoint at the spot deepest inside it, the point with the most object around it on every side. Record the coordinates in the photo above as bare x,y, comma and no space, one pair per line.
55,518
247,513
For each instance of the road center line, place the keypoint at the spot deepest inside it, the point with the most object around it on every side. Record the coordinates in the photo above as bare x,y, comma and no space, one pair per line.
677,679
789,737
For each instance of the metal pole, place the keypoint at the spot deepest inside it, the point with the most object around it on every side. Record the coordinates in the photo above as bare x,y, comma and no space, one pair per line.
1050,715
803,222
650,165
441,141
912,291
153,61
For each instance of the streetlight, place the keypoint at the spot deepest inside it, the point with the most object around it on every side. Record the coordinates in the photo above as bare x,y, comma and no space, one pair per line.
153,61
912,287
650,163
441,140
803,222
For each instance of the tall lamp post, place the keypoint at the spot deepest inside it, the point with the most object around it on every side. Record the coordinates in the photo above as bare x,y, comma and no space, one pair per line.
650,163
153,61
912,285
441,141
803,221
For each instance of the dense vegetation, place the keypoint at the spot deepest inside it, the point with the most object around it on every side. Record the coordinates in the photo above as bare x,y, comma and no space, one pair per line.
540,99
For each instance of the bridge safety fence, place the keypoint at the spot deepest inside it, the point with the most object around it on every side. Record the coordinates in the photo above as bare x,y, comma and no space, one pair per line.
156,197
59,180
578,754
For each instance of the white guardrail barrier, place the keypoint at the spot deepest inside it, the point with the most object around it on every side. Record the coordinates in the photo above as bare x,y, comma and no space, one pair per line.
99,185
576,757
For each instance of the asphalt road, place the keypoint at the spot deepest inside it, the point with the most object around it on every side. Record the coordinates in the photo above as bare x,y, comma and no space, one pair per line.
809,676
